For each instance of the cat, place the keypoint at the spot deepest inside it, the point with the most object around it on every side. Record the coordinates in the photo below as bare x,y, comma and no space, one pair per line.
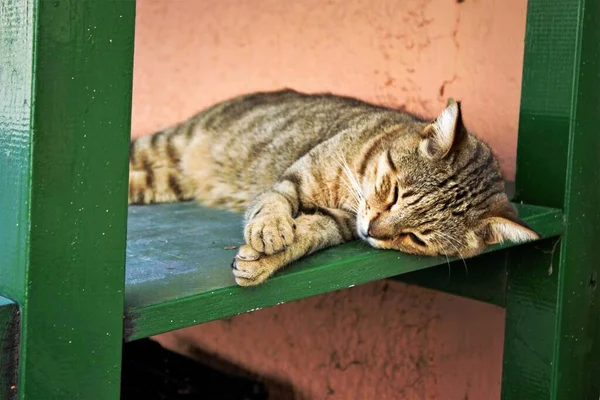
316,170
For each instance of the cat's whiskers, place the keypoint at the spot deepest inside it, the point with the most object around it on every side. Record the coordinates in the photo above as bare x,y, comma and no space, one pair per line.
350,198
437,243
454,242
351,177
351,191
354,187
351,184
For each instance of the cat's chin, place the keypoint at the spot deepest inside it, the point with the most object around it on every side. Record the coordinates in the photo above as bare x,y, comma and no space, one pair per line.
362,236
389,245
378,244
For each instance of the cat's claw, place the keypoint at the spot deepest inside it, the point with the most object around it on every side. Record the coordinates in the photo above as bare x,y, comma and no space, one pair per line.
249,269
247,253
270,234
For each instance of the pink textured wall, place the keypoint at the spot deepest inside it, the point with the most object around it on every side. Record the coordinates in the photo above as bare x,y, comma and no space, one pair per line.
384,340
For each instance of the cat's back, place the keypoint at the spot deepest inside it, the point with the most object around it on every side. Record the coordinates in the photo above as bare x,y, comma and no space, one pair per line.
271,130
287,121
243,145
278,110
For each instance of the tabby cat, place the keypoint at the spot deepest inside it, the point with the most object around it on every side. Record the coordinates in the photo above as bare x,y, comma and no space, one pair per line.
316,170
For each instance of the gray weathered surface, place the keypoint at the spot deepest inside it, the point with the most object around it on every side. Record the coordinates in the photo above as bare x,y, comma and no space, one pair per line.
178,267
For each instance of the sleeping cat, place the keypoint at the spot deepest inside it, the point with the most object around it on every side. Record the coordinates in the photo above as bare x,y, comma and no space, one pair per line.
316,170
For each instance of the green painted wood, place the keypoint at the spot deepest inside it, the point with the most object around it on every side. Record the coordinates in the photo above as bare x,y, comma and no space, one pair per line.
558,165
481,278
16,62
530,318
65,101
178,267
9,349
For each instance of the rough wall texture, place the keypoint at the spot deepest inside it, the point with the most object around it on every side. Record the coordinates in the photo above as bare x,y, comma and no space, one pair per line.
405,53
382,340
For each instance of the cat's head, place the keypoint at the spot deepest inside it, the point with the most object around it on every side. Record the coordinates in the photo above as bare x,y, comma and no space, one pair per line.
444,197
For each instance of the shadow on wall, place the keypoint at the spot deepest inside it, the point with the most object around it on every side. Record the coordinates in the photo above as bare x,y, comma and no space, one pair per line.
382,341
278,388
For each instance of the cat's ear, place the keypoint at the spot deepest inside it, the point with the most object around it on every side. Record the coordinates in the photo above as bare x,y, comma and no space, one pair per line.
505,226
442,133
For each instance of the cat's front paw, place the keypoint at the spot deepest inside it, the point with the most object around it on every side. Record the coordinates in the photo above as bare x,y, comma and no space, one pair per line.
270,234
251,268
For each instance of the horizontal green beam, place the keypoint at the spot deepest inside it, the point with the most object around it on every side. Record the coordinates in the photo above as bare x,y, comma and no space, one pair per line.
179,256
481,278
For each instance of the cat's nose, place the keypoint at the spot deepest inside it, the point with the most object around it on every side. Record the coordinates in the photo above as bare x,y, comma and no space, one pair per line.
370,229
371,225
377,230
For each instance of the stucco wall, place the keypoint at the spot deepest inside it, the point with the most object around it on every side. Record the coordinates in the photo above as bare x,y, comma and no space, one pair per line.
382,340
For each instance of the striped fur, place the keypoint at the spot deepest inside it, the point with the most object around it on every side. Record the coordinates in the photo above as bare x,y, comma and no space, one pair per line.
316,170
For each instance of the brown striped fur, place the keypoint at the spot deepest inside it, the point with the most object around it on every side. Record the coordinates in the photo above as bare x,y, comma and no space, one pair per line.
313,171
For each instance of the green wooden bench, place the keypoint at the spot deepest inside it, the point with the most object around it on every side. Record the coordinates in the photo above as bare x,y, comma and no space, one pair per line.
80,285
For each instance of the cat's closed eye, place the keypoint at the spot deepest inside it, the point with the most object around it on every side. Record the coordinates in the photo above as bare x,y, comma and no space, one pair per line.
416,239
394,199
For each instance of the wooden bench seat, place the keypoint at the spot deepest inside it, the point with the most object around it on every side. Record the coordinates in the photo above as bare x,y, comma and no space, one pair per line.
178,270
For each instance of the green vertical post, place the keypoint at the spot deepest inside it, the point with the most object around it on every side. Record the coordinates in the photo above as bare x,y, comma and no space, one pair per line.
65,103
551,344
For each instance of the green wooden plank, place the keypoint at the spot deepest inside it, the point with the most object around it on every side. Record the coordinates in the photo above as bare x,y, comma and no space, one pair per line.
65,99
577,370
481,278
9,349
179,274
531,306
546,94
16,63
558,166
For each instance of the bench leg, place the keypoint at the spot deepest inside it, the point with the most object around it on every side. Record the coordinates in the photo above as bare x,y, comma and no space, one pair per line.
552,349
65,103
530,322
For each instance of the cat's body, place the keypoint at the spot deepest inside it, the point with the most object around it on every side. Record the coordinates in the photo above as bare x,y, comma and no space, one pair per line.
313,171
242,146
